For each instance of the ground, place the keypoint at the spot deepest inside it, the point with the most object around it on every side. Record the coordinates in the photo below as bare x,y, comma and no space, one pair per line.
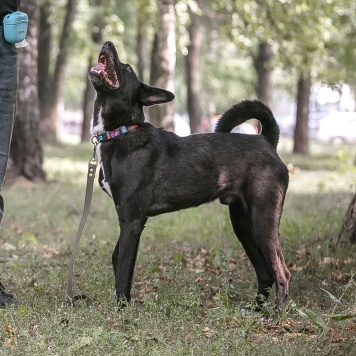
193,282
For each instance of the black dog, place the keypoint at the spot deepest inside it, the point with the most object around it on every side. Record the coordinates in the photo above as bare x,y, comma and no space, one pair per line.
148,171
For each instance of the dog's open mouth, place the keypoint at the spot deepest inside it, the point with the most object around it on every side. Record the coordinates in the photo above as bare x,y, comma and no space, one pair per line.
106,71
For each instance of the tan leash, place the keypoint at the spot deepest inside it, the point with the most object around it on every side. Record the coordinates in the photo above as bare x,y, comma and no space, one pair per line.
88,195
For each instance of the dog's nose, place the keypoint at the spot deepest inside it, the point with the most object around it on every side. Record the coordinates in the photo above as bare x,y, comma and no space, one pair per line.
108,44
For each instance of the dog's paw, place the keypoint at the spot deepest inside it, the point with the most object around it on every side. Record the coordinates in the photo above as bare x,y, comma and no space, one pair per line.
122,300
121,303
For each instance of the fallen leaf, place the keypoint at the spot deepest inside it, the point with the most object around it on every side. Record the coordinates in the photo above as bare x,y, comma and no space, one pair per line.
10,330
189,338
133,338
232,266
214,290
16,228
35,327
243,256
8,247
337,275
328,260
208,332
49,252
294,267
209,304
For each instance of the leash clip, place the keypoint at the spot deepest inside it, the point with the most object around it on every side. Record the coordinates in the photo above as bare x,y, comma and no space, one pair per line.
93,160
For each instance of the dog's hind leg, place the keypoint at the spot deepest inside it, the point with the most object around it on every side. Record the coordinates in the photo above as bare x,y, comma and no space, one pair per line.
265,226
124,258
242,227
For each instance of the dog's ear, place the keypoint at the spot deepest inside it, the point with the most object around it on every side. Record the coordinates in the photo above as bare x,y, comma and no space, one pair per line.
152,96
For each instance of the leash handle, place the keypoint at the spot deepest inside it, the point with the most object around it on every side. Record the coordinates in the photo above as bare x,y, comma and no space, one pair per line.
88,195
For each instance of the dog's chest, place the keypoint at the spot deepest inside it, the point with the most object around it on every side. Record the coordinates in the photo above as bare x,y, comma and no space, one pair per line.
103,183
98,127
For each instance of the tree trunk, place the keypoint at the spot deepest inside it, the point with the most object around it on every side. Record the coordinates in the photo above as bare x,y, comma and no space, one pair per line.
301,134
348,228
141,50
263,69
213,50
163,64
89,93
193,72
88,104
26,150
49,128
44,59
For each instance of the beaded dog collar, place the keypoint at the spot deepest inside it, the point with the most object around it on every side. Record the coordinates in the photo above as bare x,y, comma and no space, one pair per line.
109,135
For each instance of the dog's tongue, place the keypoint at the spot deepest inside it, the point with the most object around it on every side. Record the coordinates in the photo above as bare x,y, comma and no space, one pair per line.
100,67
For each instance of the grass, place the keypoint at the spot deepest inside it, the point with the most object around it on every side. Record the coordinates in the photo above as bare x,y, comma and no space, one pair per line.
192,277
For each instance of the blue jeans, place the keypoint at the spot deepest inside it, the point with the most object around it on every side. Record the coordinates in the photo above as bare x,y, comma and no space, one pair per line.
8,91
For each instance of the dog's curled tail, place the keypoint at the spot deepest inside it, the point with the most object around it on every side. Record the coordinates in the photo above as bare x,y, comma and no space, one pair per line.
250,109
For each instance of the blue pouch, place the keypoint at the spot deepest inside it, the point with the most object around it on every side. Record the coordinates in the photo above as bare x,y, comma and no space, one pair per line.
15,27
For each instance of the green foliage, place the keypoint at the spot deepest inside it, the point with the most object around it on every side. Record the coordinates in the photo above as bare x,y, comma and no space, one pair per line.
306,35
230,75
316,319
319,321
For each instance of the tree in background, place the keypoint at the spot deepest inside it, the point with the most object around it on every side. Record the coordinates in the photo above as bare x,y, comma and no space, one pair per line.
98,24
193,71
143,23
45,37
305,34
344,46
348,227
301,134
238,38
263,67
26,154
163,63
88,104
300,33
253,33
141,47
50,101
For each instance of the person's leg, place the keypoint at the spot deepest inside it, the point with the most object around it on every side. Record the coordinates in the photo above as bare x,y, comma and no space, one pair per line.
8,91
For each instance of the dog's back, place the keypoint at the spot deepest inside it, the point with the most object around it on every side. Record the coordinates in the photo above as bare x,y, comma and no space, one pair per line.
250,109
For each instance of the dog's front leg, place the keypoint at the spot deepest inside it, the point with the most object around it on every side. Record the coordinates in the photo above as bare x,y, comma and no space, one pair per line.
124,258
